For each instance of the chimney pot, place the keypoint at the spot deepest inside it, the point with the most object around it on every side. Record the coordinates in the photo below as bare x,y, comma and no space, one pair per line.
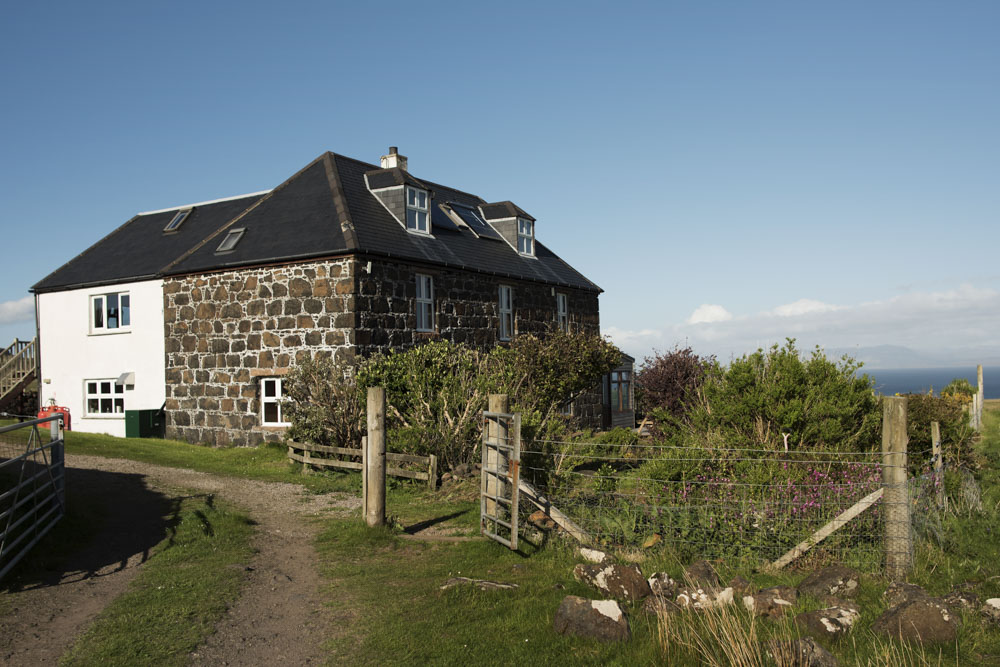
394,159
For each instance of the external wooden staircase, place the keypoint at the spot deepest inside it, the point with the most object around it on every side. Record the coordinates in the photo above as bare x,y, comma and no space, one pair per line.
17,370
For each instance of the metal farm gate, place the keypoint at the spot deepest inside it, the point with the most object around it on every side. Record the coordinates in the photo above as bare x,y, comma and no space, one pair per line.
32,486
500,476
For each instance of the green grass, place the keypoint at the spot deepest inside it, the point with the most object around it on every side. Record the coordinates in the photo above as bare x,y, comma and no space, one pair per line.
267,462
179,594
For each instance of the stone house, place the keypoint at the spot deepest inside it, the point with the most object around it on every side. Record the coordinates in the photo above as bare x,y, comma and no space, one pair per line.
203,308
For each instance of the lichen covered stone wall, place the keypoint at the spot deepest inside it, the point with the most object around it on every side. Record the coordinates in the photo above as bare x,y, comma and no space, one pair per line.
224,331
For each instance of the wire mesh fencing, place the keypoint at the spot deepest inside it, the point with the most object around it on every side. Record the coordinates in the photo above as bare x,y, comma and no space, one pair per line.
748,503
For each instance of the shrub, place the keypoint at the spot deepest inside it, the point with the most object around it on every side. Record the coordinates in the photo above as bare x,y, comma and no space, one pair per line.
949,411
323,405
820,403
959,387
669,381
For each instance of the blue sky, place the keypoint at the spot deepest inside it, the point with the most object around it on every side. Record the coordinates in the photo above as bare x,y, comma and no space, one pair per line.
730,173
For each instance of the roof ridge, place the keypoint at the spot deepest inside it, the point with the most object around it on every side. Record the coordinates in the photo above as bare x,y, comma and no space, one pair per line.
422,180
205,203
232,222
340,201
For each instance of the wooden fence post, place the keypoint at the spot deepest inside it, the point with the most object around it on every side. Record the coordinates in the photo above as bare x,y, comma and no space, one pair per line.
375,458
980,397
896,497
494,459
938,464
432,472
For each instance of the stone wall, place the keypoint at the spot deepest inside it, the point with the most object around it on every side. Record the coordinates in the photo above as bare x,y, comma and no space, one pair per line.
466,308
224,331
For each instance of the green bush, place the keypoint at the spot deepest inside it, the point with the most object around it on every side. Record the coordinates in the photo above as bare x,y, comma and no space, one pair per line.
949,411
820,403
323,404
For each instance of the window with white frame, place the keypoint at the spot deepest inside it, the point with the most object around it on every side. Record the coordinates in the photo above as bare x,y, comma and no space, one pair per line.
104,398
417,211
425,303
506,313
562,313
110,312
525,236
270,401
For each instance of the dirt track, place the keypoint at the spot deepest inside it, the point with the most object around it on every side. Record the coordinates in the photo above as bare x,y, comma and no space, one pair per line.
279,618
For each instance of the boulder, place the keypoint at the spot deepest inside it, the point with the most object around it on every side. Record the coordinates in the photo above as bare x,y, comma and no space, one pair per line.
832,580
959,601
832,622
804,652
623,582
740,585
900,592
704,598
663,585
600,619
991,609
593,555
540,519
927,620
772,602
701,573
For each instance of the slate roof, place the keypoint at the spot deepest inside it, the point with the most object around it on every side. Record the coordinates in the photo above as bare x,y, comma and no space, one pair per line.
504,209
323,210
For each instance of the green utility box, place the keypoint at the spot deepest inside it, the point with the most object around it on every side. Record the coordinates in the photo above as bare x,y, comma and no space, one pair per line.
144,423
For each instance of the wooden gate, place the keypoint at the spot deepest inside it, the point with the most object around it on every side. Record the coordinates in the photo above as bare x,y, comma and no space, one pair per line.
500,477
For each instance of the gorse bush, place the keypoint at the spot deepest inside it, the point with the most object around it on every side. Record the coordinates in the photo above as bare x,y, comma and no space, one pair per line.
323,404
949,412
820,403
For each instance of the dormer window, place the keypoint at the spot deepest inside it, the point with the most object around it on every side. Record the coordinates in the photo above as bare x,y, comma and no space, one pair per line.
525,236
176,221
417,214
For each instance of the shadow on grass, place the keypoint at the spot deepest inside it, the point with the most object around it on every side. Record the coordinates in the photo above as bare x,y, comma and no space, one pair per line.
112,520
424,525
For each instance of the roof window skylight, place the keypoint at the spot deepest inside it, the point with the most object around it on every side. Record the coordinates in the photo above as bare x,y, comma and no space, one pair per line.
177,220
232,238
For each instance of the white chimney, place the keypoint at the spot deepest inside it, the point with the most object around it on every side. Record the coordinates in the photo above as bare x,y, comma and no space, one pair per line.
393,159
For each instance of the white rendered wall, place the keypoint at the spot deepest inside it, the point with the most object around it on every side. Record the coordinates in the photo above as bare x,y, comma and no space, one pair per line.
71,354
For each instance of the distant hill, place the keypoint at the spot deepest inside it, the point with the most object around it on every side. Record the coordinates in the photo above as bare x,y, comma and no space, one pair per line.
898,356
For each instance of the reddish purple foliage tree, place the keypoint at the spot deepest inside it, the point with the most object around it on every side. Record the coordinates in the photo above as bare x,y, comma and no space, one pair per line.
668,381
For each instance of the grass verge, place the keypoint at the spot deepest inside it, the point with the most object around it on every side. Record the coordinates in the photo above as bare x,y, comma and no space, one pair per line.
179,594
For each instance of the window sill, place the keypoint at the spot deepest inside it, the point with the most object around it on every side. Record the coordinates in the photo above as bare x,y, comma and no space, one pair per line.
271,428
426,334
120,415
111,333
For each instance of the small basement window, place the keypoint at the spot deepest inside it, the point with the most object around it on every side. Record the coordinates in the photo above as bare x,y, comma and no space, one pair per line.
271,397
104,398
417,211
232,238
525,237
177,220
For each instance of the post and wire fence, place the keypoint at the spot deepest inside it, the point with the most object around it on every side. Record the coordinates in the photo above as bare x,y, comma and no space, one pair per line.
773,507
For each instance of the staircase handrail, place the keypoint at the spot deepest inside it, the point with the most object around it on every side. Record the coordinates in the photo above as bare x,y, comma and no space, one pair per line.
16,362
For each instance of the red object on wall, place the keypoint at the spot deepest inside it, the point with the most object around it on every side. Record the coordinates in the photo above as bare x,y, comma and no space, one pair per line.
50,410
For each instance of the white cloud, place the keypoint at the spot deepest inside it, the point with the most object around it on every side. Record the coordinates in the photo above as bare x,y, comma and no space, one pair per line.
802,307
20,310
939,323
708,313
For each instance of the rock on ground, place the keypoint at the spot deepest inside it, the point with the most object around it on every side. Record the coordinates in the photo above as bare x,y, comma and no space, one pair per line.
624,582
804,652
832,580
701,574
833,622
661,584
772,602
922,621
600,619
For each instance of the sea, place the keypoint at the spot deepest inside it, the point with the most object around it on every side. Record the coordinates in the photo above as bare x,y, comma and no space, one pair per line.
921,380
